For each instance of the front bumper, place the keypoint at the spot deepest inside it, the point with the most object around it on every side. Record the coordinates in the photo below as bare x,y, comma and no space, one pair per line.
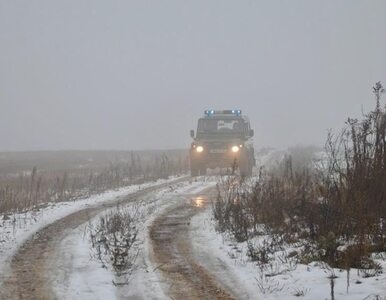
213,160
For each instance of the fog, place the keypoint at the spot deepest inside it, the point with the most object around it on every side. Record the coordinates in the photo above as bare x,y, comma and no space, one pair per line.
138,74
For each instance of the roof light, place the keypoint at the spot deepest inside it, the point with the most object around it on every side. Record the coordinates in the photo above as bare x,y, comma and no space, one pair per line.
210,112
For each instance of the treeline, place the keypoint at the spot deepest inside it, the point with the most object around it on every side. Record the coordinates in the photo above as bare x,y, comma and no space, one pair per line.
336,209
29,189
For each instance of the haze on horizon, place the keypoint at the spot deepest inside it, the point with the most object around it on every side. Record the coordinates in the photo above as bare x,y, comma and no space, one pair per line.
138,74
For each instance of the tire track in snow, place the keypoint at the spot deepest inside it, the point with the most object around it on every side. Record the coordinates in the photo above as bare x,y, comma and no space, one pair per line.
29,277
172,254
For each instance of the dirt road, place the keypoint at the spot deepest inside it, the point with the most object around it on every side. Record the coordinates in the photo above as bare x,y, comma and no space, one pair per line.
34,266
169,233
29,278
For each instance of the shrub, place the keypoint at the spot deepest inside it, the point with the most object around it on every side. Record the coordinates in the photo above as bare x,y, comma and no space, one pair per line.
341,200
112,239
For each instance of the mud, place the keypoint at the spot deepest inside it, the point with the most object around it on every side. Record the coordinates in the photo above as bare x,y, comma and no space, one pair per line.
30,267
171,250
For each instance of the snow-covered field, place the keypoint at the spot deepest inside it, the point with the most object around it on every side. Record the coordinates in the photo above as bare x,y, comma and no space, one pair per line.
311,281
77,274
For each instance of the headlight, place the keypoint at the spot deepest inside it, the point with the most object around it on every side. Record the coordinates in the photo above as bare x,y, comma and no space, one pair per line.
200,149
235,149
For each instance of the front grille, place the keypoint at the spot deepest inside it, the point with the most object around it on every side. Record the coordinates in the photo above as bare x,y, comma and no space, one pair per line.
218,146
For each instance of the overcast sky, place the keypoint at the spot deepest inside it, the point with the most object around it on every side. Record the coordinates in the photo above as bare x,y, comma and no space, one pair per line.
138,74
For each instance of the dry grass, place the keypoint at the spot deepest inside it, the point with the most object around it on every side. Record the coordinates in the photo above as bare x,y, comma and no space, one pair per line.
78,174
343,203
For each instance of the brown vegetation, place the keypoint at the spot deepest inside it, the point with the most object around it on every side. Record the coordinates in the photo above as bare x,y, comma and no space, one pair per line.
70,181
342,203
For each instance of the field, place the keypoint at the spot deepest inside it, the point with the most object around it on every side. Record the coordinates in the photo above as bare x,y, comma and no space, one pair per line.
31,178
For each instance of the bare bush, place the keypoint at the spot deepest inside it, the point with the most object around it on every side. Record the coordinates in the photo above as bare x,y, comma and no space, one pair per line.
112,239
229,208
341,204
300,292
374,297
268,284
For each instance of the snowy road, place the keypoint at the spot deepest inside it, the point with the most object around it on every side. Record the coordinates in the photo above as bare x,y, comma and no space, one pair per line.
186,277
55,262
180,254
30,274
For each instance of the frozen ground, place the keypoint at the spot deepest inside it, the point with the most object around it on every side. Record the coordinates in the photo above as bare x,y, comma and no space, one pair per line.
15,229
65,265
80,277
295,281
74,274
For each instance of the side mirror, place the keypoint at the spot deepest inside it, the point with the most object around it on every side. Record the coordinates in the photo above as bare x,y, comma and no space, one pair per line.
251,133
192,133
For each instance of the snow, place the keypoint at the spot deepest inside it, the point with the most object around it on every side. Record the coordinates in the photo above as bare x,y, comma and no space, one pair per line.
147,282
76,275
80,277
17,228
229,262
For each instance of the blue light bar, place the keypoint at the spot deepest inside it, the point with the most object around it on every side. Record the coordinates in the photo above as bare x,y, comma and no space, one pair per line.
211,112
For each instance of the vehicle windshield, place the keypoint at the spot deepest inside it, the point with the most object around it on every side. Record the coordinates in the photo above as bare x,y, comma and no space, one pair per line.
233,126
